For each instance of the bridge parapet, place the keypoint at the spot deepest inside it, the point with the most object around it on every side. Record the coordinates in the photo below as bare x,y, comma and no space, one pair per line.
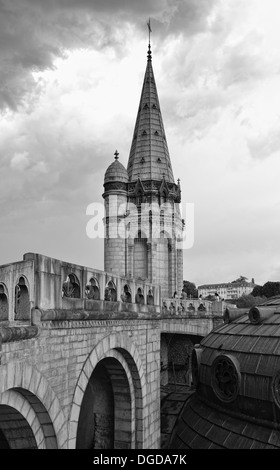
51,289
191,308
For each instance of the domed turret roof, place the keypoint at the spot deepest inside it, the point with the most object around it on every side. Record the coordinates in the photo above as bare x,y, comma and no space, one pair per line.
116,172
236,371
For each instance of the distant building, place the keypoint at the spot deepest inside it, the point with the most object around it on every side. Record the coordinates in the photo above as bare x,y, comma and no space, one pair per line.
228,290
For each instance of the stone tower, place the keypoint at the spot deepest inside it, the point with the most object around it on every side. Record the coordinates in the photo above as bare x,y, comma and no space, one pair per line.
143,225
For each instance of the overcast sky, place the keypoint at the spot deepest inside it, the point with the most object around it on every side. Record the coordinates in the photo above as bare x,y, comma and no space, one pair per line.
71,74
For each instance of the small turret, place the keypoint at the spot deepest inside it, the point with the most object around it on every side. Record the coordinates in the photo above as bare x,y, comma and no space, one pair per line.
115,196
116,172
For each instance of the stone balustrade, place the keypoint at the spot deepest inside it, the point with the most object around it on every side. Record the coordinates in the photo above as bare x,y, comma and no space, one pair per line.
43,284
191,308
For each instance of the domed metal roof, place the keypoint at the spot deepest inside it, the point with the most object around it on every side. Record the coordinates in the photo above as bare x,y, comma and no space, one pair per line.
236,370
116,172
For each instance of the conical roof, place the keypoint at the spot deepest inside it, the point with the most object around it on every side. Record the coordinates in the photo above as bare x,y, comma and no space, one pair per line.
116,172
149,157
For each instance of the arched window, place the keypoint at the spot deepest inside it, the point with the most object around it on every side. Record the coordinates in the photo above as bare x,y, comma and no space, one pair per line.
139,298
4,305
162,219
111,292
150,297
71,287
164,264
22,300
140,267
126,295
92,290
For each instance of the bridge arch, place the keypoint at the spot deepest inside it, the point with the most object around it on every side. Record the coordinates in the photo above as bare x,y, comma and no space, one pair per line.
32,401
116,360
21,425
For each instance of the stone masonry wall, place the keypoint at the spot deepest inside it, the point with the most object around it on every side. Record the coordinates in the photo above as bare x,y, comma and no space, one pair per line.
59,355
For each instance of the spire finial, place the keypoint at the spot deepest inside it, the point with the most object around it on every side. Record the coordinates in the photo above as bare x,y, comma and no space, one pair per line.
116,155
149,46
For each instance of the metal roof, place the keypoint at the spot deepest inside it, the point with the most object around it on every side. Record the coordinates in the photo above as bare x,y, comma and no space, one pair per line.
237,400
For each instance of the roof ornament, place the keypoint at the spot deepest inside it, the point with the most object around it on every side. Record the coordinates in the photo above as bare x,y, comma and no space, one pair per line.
116,155
149,46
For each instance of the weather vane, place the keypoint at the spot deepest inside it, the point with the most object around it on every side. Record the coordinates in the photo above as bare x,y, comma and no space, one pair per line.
150,30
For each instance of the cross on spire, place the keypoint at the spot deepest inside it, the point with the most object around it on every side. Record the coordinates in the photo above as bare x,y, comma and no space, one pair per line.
149,46
116,155
149,28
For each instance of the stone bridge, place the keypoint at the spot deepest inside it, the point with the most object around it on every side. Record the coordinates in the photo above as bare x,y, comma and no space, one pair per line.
82,355
191,316
183,324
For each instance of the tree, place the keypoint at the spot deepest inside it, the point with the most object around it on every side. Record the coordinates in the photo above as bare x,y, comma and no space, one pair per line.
190,289
240,279
210,297
257,291
269,289
248,300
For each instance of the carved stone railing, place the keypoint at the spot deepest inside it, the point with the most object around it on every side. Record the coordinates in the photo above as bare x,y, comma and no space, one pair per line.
191,308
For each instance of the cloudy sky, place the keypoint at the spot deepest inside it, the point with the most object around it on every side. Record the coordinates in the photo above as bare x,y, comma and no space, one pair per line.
71,74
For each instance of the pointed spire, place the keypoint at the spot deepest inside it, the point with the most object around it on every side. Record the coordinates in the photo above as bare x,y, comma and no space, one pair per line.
149,153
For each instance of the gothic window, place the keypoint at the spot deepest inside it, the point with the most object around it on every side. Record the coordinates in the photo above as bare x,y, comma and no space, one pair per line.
172,308
154,106
71,287
144,133
110,292
140,257
142,160
146,106
139,298
164,264
156,132
150,297
225,378
159,160
150,224
92,290
162,219
201,308
138,200
126,295
22,300
4,306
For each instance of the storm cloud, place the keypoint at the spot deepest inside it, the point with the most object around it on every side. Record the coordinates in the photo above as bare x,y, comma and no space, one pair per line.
70,79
